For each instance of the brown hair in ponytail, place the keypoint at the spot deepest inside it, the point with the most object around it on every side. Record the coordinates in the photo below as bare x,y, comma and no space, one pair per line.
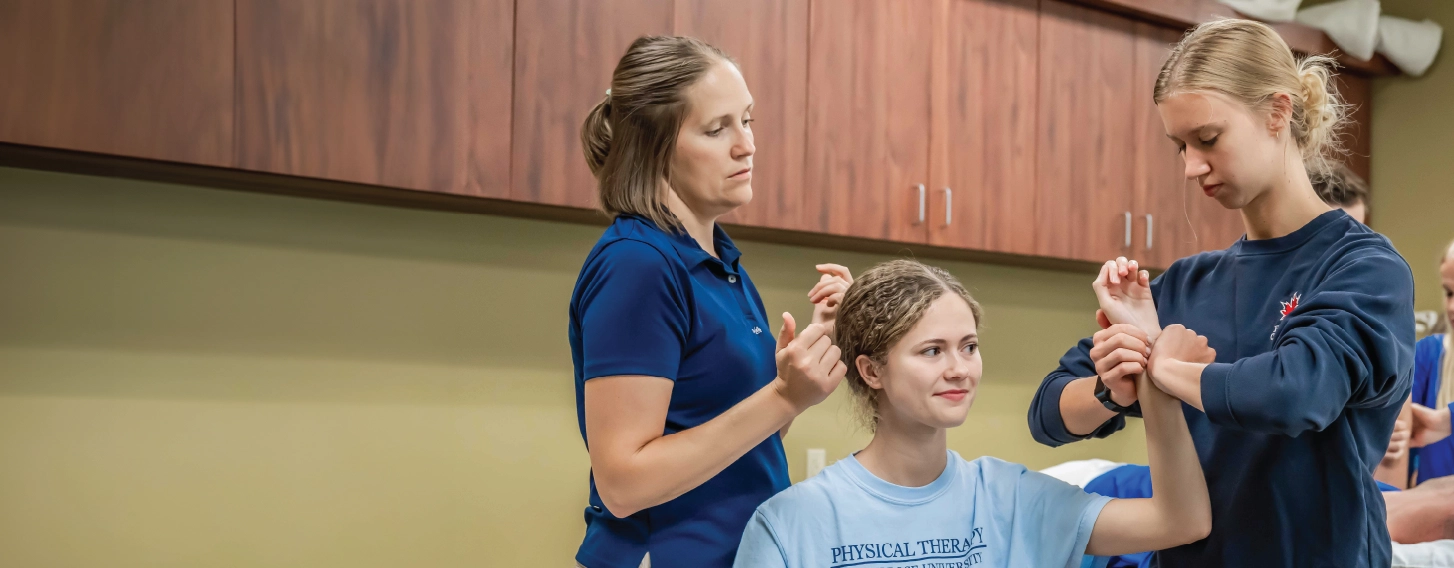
628,138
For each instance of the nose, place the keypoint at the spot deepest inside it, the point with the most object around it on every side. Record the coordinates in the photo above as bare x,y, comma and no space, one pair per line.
744,148
959,367
1196,165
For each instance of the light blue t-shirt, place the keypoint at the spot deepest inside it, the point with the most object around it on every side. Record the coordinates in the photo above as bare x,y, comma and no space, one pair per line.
984,513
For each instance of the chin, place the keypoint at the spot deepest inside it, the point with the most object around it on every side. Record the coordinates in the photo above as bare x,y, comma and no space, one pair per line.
738,196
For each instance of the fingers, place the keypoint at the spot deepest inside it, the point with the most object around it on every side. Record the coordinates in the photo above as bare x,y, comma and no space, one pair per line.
837,270
1120,363
1121,329
785,336
838,371
833,353
1119,342
817,350
826,290
1145,279
1112,272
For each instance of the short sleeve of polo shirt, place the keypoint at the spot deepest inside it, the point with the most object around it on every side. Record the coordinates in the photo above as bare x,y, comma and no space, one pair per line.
633,312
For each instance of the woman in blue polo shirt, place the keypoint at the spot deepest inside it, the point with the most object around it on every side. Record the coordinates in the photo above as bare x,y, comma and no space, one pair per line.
681,391
1433,395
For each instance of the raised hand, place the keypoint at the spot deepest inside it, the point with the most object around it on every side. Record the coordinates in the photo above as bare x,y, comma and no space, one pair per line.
808,365
1124,293
1430,425
828,293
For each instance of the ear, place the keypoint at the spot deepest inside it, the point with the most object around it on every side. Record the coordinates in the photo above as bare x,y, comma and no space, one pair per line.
1279,114
869,371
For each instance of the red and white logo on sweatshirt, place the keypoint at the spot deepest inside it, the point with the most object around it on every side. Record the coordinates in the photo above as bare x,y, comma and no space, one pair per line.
1287,308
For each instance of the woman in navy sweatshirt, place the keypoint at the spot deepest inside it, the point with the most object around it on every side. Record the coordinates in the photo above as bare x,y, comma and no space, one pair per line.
1311,315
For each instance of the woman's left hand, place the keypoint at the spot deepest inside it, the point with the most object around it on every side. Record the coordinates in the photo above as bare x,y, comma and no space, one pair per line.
1124,293
1430,425
828,293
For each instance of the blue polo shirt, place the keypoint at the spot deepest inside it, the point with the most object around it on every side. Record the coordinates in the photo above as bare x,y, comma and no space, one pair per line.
656,304
1436,459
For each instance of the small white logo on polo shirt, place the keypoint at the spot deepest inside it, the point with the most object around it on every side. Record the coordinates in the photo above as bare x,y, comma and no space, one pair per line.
757,330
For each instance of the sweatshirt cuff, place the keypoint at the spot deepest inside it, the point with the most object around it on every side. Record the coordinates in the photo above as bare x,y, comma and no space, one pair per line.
1216,402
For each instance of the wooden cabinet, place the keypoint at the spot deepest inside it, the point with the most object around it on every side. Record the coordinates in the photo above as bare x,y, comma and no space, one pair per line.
1166,203
868,118
769,41
1084,201
140,79
387,92
983,125
565,53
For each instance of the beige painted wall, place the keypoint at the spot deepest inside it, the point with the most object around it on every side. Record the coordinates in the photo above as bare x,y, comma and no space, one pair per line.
1413,158
195,377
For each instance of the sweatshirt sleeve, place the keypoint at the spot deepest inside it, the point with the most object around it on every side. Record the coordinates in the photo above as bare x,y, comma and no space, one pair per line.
1047,426
1348,344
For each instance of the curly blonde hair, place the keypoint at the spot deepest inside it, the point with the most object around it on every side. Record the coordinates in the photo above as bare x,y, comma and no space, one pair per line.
881,306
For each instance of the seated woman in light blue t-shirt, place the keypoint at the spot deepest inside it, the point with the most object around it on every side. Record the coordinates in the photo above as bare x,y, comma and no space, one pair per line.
909,335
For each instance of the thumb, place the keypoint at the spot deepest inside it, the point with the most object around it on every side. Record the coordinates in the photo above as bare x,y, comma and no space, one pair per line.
1102,319
785,336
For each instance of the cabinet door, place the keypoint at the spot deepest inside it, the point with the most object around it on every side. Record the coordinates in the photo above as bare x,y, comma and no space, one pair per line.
984,135
1086,133
868,118
141,79
769,41
386,92
1163,228
565,53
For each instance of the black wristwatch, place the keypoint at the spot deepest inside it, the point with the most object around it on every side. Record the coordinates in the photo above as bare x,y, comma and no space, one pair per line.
1103,394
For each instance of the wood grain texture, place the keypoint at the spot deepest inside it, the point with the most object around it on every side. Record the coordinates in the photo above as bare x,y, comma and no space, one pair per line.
868,117
769,41
1188,13
381,92
1162,190
1086,130
141,79
565,53
985,89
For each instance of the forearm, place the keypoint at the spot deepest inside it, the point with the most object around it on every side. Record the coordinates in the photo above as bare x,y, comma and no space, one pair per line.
669,466
1181,380
1178,486
1079,408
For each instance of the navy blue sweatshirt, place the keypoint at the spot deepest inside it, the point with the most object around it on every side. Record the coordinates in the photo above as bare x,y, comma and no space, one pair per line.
1314,333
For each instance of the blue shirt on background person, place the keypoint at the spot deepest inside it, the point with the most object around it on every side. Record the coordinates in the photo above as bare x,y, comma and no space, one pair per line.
656,304
1314,333
1436,459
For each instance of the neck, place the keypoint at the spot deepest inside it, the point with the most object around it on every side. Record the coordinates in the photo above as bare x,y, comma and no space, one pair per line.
906,454
1286,206
698,226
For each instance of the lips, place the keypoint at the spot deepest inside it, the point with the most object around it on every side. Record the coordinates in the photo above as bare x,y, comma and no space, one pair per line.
955,395
742,173
1211,190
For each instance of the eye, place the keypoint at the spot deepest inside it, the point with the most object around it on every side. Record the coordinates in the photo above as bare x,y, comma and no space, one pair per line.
1180,149
1208,143
716,131
747,122
971,348
930,352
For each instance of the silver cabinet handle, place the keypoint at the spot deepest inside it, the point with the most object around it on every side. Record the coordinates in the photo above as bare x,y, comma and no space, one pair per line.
921,204
1148,231
948,206
1128,229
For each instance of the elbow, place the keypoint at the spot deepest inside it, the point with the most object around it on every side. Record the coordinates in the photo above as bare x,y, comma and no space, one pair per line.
618,494
617,499
1198,529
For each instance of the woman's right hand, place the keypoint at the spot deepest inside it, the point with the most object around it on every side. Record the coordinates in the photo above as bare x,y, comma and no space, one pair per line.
808,365
1120,354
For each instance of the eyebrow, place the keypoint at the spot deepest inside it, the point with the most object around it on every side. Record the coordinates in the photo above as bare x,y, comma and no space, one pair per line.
1198,130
